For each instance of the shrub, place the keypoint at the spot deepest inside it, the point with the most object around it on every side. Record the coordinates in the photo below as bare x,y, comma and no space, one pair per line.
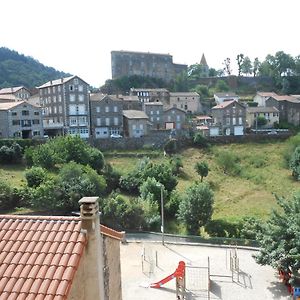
228,162
202,169
200,140
35,176
8,199
222,228
11,154
170,146
175,164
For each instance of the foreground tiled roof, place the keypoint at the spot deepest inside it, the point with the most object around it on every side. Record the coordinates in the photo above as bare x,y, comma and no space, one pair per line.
39,256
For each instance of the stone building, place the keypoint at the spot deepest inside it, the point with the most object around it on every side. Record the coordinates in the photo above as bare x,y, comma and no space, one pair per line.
136,123
126,63
106,115
174,118
155,111
65,104
187,101
20,119
151,95
20,93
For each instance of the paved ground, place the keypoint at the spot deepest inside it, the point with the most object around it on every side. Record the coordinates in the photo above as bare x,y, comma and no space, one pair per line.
252,281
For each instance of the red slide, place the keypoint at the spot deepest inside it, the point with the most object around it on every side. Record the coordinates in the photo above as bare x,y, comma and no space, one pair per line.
179,273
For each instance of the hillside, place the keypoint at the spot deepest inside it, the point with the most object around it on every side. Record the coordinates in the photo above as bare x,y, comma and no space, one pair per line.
17,69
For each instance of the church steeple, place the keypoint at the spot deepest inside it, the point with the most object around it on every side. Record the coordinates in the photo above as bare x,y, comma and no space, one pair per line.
203,60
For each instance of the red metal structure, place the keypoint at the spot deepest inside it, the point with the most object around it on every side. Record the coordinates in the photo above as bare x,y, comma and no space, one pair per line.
178,274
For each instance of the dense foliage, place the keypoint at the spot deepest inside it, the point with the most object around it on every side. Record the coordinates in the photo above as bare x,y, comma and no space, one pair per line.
295,163
17,70
202,169
196,207
280,237
11,154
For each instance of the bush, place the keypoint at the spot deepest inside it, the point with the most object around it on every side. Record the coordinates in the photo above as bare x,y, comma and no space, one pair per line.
11,154
295,163
200,140
202,169
176,164
228,162
222,228
8,199
170,146
35,176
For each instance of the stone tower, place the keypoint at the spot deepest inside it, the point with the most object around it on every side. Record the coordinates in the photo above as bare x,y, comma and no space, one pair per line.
205,67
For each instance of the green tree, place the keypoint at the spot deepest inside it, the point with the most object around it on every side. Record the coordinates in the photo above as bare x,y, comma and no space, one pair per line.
200,140
196,207
261,121
240,60
280,237
295,163
202,90
202,169
7,196
246,67
256,65
222,86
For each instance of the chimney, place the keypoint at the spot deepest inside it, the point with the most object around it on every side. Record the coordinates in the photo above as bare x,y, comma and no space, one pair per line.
61,80
93,257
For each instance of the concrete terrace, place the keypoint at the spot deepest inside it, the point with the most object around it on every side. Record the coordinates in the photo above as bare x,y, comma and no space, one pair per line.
252,282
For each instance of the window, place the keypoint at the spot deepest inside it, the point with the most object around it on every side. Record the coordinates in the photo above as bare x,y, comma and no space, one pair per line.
60,109
54,109
81,109
173,112
36,133
157,112
169,118
151,119
107,121
151,112
59,98
59,88
53,89
72,97
141,126
227,121
178,117
98,109
106,108
49,91
25,112
71,87
26,123
13,113
133,126
81,98
185,107
36,122
54,99
73,121
240,120
116,121
157,119
75,80
80,88
36,113
16,122
98,121
115,108
82,121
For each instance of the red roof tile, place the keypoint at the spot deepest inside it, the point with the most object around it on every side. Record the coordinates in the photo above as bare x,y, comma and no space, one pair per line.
39,256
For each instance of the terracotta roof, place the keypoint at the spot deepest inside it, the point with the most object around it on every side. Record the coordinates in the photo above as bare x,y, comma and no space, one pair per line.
266,94
262,109
112,233
11,90
39,256
224,104
286,98
134,114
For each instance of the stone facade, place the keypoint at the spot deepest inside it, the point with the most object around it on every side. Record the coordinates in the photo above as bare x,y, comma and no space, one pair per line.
154,110
65,104
230,118
20,93
106,115
151,95
288,106
174,118
20,119
187,101
135,123
126,63
271,114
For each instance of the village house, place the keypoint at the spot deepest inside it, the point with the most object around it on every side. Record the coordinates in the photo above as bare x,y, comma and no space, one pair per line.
106,115
174,118
151,95
271,114
229,118
227,96
19,93
65,104
135,123
21,120
155,111
288,106
261,97
67,258
187,101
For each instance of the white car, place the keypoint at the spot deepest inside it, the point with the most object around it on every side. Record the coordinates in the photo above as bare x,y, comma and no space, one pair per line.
115,136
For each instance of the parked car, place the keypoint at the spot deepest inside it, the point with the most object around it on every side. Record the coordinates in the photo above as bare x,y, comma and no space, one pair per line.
115,136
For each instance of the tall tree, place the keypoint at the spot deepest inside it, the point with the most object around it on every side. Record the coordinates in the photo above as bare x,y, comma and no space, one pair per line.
227,66
202,169
256,65
280,238
240,60
246,67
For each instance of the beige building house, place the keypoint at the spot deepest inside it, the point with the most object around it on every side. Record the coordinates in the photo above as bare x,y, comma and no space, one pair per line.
45,257
271,114
187,101
261,97
21,120
20,93
135,123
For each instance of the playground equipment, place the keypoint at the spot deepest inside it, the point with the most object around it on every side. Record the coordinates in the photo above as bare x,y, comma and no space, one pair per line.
179,275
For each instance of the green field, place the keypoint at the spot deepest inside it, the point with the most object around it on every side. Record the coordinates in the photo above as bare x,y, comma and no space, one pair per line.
251,193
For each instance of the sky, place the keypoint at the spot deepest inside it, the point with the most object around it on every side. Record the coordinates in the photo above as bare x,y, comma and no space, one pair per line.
77,36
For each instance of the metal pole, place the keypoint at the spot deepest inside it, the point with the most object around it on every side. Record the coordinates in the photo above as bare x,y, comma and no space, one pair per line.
162,214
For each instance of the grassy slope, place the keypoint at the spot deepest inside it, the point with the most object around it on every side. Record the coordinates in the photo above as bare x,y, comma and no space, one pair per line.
250,193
